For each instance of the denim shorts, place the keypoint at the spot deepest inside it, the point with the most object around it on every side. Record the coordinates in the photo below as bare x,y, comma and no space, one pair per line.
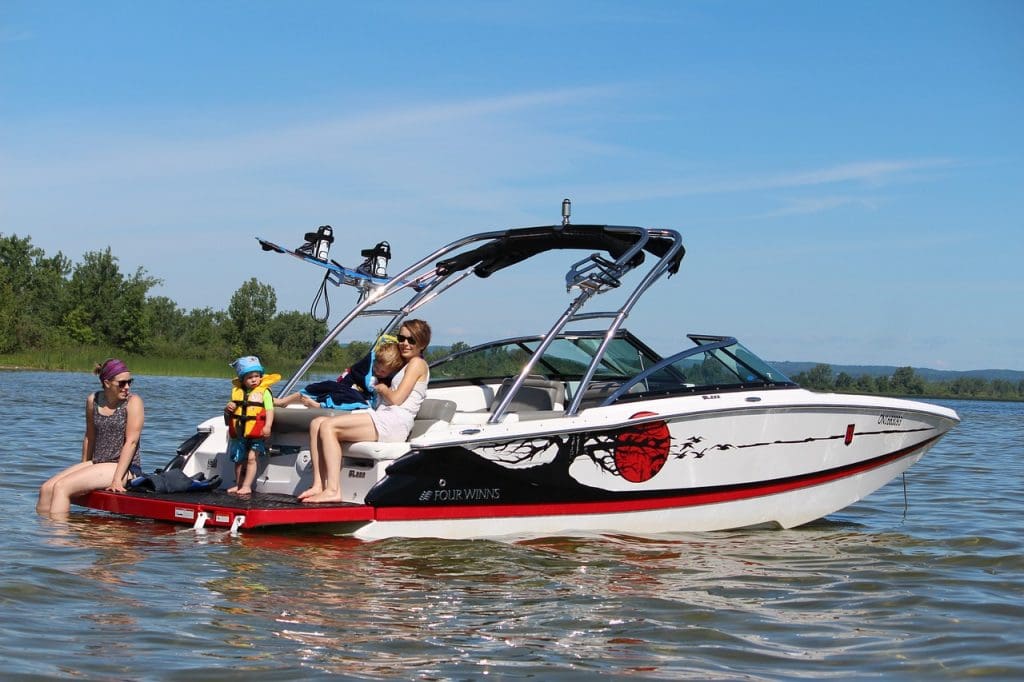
239,448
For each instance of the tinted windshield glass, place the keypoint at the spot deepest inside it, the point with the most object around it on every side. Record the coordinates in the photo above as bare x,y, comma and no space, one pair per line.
730,365
720,362
566,358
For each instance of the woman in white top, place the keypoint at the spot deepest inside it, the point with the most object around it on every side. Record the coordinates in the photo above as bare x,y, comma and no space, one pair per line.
391,421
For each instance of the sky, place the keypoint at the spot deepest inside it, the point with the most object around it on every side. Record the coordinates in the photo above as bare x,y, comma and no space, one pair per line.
848,178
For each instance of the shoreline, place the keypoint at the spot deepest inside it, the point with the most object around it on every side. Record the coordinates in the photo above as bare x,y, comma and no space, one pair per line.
204,375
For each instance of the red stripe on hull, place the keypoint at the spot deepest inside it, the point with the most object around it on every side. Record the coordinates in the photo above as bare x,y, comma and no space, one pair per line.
730,494
222,515
183,511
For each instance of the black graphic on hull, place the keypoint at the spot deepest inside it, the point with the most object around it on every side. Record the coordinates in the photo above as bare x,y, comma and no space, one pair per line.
635,453
536,470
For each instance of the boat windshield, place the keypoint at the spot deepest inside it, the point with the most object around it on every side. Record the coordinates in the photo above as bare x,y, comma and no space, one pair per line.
723,361
567,358
629,369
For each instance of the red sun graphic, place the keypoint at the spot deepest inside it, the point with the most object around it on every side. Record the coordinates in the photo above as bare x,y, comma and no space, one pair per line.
641,450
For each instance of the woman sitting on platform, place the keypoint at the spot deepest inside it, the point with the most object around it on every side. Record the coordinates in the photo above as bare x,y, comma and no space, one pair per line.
110,448
390,422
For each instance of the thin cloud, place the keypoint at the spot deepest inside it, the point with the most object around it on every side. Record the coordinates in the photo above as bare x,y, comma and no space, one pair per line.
814,205
115,156
15,35
872,173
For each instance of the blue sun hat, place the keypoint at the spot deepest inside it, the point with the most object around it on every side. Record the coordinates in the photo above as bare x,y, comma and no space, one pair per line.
247,364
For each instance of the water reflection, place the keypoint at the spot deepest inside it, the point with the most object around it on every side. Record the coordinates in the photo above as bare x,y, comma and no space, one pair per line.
339,600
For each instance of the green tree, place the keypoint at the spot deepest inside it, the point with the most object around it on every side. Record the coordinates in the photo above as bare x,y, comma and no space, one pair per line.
818,378
905,381
205,331
1003,389
32,292
352,352
167,320
106,307
865,384
966,387
295,334
251,308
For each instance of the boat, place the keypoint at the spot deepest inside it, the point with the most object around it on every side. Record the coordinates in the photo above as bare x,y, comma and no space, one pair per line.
578,427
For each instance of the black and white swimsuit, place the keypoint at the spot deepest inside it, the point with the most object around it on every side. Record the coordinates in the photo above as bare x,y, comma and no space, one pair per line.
110,434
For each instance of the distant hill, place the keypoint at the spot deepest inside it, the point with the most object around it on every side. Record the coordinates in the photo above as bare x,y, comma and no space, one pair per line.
791,369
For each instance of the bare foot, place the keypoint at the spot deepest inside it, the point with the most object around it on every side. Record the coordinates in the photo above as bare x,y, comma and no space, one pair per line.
315,490
308,402
243,491
233,490
325,496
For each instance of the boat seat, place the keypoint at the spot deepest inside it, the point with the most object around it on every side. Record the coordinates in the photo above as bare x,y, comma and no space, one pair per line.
432,411
297,419
597,391
536,393
292,419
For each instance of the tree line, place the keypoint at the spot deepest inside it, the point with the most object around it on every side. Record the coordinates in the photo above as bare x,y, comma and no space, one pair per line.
906,382
48,302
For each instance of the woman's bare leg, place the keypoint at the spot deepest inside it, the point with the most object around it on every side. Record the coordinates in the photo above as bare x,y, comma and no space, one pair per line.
314,454
81,480
348,428
46,489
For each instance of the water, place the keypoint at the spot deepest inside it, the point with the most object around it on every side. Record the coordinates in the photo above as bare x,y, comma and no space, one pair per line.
931,586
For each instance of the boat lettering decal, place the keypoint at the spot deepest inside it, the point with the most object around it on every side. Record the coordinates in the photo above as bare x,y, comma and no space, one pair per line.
710,397
886,419
460,494
356,474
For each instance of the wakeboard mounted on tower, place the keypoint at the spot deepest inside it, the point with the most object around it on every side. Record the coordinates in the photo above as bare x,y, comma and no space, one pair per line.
316,249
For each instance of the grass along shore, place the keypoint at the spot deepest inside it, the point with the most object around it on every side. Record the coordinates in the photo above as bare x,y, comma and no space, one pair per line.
83,360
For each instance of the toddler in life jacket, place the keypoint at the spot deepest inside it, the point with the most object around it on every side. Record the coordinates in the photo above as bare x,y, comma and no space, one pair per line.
249,416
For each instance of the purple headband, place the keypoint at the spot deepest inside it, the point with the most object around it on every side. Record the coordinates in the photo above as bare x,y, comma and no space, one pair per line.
112,368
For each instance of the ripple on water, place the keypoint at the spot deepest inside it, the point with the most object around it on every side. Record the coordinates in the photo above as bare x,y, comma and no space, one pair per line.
922,586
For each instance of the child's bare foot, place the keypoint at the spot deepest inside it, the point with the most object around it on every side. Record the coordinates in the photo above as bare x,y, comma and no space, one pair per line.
315,490
233,490
244,490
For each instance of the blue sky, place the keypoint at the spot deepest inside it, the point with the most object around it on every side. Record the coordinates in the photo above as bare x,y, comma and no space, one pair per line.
847,177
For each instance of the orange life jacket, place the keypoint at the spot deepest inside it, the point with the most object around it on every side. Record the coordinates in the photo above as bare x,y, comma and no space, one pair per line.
249,417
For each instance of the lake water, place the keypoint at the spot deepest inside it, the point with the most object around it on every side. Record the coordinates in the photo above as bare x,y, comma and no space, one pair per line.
923,583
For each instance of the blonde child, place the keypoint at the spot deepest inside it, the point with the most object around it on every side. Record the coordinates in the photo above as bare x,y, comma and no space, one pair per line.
353,390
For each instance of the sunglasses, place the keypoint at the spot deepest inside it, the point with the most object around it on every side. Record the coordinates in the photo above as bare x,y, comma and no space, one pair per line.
124,382
402,338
